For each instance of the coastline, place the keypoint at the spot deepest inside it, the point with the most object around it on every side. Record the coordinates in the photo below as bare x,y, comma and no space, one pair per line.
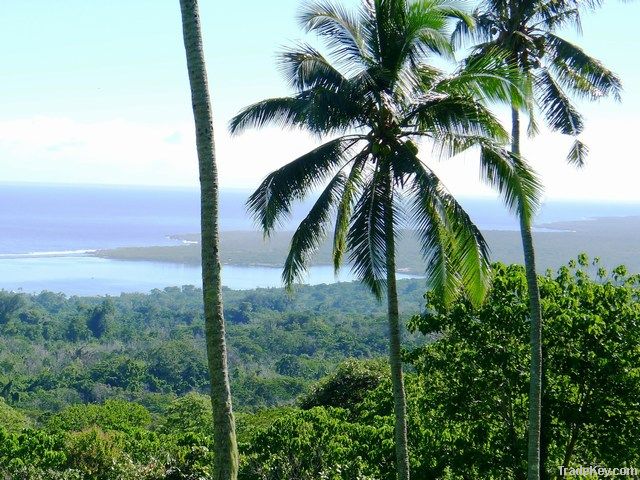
615,239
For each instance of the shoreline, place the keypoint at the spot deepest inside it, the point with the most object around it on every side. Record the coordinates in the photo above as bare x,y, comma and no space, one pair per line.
614,239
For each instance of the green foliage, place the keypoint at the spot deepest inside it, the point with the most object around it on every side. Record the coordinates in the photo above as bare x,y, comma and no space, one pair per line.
120,372
347,386
112,415
248,424
10,303
179,366
154,348
77,329
476,381
317,444
11,419
190,414
95,453
100,318
467,390
31,449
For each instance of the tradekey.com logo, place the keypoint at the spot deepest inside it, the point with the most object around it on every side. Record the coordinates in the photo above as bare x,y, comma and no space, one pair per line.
594,471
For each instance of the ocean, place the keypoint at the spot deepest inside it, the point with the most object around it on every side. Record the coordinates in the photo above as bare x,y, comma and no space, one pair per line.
45,230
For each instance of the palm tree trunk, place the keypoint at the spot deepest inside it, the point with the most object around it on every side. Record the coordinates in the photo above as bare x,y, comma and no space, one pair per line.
535,313
395,360
545,423
225,465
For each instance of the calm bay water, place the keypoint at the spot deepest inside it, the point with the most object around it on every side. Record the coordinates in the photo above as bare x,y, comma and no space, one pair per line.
36,220
97,276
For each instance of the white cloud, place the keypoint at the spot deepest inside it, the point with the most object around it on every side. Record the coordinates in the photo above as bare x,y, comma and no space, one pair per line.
54,150
611,172
47,149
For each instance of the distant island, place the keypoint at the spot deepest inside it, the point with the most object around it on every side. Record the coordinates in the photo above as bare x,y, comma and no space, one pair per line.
615,239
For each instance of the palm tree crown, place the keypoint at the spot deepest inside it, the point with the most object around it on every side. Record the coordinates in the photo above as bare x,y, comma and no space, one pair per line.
555,68
376,96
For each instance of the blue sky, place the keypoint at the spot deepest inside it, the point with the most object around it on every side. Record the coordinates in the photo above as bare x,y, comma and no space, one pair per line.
97,92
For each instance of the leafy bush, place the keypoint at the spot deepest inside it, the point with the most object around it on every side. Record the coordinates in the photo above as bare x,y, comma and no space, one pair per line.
112,415
347,386
317,444
471,416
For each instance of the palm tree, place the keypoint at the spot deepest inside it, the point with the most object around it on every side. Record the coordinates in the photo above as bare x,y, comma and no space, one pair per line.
225,465
375,97
553,69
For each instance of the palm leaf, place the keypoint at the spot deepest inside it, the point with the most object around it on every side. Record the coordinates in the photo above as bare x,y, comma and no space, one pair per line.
319,109
424,30
366,240
583,74
455,251
489,76
304,68
339,28
560,113
311,231
517,183
272,201
578,154
285,112
440,114
345,206
480,31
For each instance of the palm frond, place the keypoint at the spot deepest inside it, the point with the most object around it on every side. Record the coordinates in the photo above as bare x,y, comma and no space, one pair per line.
483,30
285,112
311,231
515,181
489,76
390,32
532,126
578,154
344,208
336,110
451,12
366,240
455,251
442,114
583,74
450,144
553,20
560,113
369,29
424,30
339,27
272,201
304,68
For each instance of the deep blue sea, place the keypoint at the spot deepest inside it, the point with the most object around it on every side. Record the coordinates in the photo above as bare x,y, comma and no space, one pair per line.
37,222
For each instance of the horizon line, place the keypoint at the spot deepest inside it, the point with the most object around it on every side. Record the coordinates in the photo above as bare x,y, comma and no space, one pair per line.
237,189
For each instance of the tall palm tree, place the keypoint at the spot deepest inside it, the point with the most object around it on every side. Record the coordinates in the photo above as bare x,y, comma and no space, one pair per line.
225,465
554,69
375,97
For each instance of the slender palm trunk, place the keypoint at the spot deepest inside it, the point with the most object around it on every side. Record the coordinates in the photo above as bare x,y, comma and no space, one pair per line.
545,423
225,465
399,399
535,313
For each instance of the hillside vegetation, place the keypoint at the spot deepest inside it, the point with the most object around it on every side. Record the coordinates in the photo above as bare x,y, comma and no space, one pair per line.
108,389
